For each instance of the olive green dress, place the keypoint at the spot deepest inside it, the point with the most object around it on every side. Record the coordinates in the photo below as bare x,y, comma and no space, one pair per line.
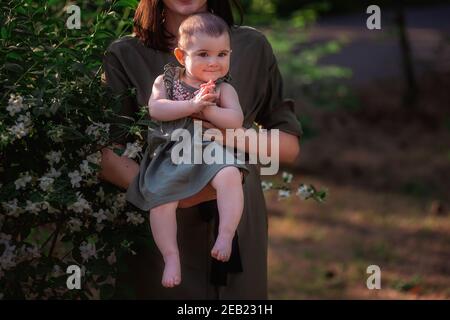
256,78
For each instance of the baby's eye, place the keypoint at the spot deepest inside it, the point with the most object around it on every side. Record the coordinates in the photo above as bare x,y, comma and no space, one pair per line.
203,54
223,54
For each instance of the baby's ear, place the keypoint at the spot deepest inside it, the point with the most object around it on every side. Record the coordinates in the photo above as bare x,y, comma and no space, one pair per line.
180,55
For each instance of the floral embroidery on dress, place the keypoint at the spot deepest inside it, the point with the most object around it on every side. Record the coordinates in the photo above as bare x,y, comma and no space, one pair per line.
180,92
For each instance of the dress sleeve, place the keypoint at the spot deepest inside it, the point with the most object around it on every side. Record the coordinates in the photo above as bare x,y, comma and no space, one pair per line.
117,81
276,112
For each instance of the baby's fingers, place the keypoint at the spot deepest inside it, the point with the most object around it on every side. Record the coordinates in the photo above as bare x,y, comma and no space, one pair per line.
210,97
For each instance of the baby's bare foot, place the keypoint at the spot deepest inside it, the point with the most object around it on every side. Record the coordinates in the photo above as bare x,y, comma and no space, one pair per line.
172,271
222,248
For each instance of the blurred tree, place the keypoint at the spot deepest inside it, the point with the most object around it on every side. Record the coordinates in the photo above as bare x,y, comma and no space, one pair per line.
410,94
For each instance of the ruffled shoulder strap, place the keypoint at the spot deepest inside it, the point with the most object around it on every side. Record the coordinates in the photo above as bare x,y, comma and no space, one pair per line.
226,78
171,73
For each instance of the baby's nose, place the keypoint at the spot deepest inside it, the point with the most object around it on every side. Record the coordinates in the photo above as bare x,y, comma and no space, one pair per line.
212,61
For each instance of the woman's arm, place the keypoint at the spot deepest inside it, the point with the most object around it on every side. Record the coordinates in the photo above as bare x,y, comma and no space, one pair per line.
288,144
119,171
229,114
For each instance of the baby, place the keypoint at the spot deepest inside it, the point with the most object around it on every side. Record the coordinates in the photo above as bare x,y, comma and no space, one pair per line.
198,90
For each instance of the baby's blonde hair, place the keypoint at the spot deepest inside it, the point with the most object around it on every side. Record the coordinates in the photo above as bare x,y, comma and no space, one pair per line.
205,22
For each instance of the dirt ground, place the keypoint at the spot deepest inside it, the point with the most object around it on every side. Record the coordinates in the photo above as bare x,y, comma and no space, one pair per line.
387,169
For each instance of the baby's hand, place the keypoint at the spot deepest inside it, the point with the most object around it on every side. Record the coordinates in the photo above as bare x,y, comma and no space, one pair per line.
208,93
203,99
209,87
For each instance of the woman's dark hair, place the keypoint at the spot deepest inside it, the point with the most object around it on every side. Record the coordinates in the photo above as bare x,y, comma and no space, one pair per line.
149,25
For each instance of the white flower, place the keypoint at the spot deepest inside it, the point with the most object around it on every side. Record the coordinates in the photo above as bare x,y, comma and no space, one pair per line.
75,178
95,157
93,180
80,205
57,271
112,258
266,185
55,105
111,215
11,208
134,218
121,200
101,194
15,105
100,215
26,119
19,130
75,224
46,183
84,168
87,250
287,177
8,259
304,191
56,134
132,149
53,157
33,207
46,206
22,181
284,194
98,131
53,173
81,152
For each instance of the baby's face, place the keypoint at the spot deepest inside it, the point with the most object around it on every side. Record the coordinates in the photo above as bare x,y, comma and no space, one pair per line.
208,58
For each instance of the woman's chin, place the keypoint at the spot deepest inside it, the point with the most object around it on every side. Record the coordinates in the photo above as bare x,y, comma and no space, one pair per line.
187,8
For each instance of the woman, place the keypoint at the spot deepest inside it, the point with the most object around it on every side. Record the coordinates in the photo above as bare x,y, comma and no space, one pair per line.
135,62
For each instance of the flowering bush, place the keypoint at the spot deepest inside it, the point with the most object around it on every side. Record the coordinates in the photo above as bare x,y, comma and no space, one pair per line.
55,118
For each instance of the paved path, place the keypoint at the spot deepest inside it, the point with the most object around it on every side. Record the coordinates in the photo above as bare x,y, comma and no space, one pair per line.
375,54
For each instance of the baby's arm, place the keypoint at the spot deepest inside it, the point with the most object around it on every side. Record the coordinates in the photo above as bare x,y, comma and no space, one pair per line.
163,109
229,115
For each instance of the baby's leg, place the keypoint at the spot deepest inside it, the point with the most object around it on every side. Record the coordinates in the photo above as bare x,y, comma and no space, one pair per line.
230,201
164,228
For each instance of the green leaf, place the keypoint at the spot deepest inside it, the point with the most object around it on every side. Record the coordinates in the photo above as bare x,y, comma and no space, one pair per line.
14,56
4,32
132,4
14,67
